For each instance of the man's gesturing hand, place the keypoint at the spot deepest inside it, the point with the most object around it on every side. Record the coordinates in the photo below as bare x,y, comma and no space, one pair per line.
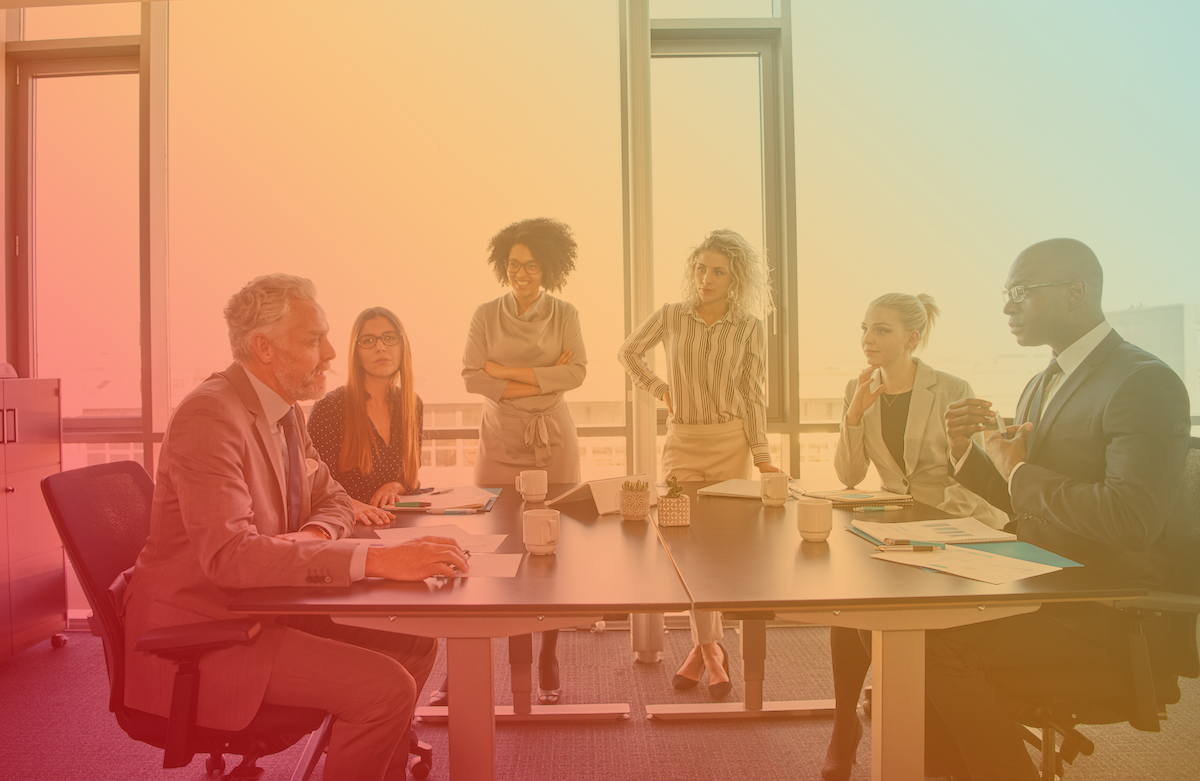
964,418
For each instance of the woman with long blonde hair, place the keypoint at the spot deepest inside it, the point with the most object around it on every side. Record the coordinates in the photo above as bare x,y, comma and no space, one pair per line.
369,431
715,395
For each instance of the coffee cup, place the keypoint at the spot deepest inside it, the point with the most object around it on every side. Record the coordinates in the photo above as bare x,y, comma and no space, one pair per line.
532,485
774,486
539,530
814,518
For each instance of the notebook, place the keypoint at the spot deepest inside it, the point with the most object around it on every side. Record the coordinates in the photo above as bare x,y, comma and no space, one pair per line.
947,530
741,489
852,497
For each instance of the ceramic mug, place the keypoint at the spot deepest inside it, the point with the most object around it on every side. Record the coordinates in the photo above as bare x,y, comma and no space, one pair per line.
814,517
532,485
539,530
774,488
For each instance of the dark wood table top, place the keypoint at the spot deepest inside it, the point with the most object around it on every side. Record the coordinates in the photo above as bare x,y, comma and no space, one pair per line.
741,555
602,564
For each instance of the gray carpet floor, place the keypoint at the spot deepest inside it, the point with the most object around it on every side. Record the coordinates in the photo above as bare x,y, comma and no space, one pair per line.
55,723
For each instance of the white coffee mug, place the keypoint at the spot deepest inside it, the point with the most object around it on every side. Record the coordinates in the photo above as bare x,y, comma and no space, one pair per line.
539,530
532,485
814,517
774,488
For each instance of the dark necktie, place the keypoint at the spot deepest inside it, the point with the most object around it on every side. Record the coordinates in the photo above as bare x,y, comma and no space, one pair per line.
295,479
1035,406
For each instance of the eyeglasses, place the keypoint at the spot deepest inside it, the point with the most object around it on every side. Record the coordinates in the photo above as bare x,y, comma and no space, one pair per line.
1016,293
367,341
531,267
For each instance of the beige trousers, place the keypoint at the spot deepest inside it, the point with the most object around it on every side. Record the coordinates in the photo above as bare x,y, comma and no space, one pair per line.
714,451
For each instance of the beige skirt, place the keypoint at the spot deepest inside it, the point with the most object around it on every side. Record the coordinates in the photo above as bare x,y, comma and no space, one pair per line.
712,451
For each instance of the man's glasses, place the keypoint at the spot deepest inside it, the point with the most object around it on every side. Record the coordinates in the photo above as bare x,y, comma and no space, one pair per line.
367,341
1016,293
531,267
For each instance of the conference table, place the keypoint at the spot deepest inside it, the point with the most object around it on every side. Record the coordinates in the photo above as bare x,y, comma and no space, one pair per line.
749,561
603,565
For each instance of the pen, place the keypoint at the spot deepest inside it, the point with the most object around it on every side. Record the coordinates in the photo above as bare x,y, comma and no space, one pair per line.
886,509
412,504
451,512
915,548
891,541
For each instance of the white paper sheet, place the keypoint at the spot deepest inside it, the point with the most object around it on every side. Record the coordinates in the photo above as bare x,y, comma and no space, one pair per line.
476,543
969,563
494,565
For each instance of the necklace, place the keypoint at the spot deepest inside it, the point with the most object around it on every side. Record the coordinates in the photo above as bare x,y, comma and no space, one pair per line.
890,399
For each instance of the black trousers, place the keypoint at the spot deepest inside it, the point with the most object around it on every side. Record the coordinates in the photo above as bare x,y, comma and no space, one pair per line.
973,673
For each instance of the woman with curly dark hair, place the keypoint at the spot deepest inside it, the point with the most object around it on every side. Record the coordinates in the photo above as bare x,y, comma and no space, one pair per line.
524,351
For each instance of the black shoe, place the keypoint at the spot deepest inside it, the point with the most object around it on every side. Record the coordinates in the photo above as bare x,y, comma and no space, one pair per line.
720,691
682,682
842,752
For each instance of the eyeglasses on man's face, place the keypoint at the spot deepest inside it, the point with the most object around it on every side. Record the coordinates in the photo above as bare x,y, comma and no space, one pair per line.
367,341
1016,293
531,267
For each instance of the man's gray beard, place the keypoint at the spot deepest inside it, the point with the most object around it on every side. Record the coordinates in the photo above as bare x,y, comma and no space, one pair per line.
307,389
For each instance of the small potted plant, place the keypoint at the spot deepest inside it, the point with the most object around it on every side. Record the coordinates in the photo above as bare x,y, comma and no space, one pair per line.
674,509
635,500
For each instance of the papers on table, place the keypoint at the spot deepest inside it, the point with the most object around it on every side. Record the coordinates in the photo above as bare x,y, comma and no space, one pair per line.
741,489
948,530
470,497
476,543
970,563
848,498
494,565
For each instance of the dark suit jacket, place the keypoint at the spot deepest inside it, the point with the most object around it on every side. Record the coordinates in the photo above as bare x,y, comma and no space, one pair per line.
1104,465
218,502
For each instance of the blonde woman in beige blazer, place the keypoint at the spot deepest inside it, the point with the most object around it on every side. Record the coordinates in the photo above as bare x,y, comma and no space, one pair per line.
894,418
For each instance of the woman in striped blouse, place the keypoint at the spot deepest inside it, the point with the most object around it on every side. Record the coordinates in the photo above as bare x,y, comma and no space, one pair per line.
715,394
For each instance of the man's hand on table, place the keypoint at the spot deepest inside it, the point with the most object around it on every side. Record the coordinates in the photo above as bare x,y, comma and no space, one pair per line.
417,559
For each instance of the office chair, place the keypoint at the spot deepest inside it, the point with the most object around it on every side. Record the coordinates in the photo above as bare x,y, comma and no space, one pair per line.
102,513
1057,704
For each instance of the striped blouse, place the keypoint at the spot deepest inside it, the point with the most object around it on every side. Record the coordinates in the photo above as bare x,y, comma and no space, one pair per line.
717,373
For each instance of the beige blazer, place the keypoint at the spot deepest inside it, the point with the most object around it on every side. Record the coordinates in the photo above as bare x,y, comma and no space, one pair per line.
218,502
925,472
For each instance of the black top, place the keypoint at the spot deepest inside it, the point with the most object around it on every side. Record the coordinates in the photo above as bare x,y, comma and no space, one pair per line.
327,427
892,420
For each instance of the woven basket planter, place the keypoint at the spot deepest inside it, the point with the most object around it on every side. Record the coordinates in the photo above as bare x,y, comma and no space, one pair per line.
674,512
635,505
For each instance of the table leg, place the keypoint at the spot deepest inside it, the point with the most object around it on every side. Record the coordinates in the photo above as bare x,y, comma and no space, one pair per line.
520,660
754,662
898,704
646,636
472,726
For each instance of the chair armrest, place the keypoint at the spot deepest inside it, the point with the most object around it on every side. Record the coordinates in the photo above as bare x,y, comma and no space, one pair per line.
1162,601
194,639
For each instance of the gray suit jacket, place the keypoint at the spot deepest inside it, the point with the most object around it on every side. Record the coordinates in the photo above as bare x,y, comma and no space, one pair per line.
924,473
1104,465
218,502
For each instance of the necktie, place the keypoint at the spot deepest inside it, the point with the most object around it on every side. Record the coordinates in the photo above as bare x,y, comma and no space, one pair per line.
295,479
1035,406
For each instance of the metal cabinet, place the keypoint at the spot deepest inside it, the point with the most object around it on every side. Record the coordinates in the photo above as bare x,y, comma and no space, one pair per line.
33,597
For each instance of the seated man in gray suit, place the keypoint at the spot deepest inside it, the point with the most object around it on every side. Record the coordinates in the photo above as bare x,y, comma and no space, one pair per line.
242,500
1091,473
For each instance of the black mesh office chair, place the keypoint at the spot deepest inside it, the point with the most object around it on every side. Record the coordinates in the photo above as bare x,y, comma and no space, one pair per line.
103,516
1057,704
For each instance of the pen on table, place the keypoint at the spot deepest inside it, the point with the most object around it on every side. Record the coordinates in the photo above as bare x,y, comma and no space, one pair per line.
896,541
412,504
915,548
880,509
451,512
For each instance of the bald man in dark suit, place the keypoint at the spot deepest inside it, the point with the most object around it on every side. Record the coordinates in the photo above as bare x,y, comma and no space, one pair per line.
1091,472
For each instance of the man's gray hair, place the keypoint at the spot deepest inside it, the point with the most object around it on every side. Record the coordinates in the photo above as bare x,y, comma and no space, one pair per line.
261,307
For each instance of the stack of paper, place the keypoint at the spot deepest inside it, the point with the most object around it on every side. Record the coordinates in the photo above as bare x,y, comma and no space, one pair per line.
947,530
